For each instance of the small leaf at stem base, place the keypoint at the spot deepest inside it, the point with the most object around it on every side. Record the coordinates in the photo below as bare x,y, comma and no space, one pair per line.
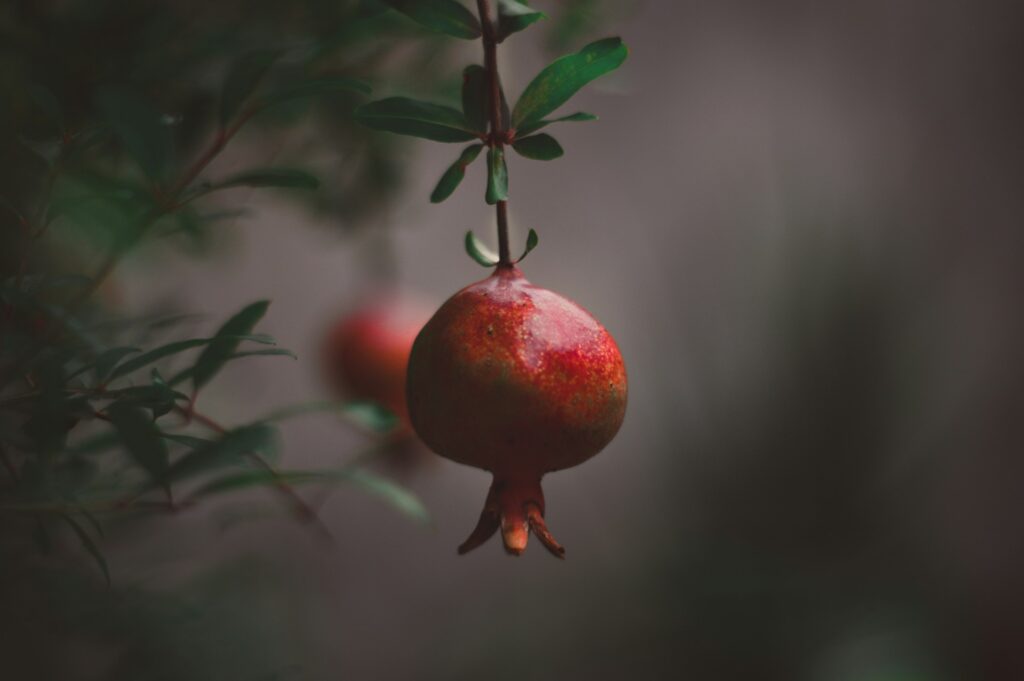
480,253
531,243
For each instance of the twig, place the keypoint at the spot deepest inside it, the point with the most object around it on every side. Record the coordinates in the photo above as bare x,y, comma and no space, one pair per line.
498,132
303,510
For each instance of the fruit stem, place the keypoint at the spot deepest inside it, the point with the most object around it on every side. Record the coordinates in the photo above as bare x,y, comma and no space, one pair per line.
498,132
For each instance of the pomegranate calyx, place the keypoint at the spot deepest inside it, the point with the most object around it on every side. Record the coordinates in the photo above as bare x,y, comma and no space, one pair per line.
516,508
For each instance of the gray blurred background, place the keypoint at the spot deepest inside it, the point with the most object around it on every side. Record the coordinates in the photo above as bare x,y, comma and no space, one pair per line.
801,221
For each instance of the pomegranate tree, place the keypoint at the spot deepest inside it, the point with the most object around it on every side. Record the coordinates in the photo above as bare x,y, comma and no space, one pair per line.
507,376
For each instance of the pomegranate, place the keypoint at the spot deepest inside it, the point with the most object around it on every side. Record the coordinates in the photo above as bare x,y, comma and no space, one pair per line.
365,354
519,381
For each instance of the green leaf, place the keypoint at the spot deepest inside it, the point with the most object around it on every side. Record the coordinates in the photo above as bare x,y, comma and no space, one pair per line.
455,173
443,16
529,128
514,17
497,176
370,416
479,252
139,128
187,440
474,97
230,447
166,404
399,497
271,352
107,360
242,79
89,545
179,346
396,496
225,341
312,88
412,117
92,520
270,177
531,243
561,79
303,408
103,363
141,438
540,147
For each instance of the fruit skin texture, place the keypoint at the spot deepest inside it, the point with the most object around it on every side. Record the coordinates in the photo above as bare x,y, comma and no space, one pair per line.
520,381
366,353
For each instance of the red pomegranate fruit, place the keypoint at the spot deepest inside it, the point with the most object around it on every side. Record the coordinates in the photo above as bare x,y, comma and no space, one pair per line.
366,353
519,381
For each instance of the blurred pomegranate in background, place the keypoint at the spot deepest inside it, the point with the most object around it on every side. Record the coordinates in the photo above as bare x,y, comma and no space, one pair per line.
366,352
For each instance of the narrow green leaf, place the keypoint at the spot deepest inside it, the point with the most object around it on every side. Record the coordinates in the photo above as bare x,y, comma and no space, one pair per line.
163,351
393,494
480,253
531,243
270,352
412,117
270,177
497,176
302,409
367,415
529,128
139,128
370,416
187,440
443,16
232,446
107,360
514,17
455,173
400,498
243,78
89,545
225,342
166,405
92,520
141,438
474,97
257,478
561,79
540,147
157,396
